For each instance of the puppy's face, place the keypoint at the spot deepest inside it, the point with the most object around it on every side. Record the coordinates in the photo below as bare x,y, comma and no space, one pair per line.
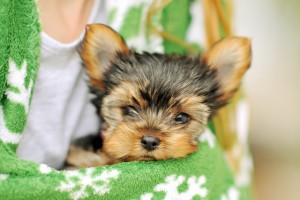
155,106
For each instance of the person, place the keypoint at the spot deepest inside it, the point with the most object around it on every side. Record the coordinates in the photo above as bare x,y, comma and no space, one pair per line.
61,108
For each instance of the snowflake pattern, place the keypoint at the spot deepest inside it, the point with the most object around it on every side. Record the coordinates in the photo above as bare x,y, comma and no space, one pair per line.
232,194
44,169
3,177
77,183
208,136
6,135
172,183
141,41
243,177
16,79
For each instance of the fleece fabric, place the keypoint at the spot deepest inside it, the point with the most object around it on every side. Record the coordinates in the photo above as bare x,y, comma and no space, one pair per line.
61,91
204,174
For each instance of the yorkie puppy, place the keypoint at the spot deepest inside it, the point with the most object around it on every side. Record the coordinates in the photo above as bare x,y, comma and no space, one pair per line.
154,106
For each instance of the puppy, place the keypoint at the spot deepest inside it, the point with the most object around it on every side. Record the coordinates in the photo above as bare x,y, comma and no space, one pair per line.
154,106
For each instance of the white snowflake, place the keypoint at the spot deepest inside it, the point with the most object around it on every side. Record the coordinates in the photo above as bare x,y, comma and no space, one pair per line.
139,42
232,194
3,177
208,136
16,79
243,177
78,182
147,196
122,8
170,187
6,135
44,169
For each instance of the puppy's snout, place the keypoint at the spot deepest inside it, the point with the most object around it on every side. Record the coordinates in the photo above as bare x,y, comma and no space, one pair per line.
150,142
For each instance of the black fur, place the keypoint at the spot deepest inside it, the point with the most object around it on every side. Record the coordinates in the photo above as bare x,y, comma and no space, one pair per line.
161,77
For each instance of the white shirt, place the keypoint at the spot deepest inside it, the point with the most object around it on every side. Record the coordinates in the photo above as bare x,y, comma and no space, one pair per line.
61,110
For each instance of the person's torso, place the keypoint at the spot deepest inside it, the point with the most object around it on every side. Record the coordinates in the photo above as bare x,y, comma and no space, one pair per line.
61,108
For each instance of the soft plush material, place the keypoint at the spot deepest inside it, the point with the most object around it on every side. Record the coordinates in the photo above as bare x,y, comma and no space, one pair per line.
204,174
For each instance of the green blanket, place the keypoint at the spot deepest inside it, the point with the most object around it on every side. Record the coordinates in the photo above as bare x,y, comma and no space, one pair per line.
202,175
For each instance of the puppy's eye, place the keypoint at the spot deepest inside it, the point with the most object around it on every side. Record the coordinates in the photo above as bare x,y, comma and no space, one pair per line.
182,118
129,111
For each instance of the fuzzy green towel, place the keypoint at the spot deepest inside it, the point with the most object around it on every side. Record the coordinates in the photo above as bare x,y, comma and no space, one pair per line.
202,175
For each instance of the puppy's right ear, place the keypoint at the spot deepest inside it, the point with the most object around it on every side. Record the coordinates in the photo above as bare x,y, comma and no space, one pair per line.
99,48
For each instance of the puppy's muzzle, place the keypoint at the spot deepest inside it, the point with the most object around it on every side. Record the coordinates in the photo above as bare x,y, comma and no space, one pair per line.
150,142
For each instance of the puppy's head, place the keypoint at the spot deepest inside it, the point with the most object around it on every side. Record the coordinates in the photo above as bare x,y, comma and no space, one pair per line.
155,106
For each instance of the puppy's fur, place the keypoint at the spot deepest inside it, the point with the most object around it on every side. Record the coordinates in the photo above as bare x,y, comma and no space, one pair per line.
155,106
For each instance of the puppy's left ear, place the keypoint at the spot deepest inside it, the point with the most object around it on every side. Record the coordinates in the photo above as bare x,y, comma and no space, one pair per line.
98,50
230,57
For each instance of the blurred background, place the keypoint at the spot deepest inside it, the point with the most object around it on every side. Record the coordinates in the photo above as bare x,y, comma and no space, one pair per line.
272,86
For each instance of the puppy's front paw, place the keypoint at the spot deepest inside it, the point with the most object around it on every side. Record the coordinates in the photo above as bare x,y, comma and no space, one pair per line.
80,158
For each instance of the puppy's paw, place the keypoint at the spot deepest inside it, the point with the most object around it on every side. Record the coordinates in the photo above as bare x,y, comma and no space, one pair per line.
80,158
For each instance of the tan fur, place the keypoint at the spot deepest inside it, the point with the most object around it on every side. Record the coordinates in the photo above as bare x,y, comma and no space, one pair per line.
199,113
94,44
113,103
125,145
231,57
123,137
80,158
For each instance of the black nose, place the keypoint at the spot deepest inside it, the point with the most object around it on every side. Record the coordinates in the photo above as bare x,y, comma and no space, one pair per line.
149,142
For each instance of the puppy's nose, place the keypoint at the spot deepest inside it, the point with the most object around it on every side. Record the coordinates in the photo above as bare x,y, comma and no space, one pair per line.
149,142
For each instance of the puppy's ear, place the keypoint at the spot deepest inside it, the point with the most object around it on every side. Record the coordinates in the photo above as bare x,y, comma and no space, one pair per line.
230,57
99,48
